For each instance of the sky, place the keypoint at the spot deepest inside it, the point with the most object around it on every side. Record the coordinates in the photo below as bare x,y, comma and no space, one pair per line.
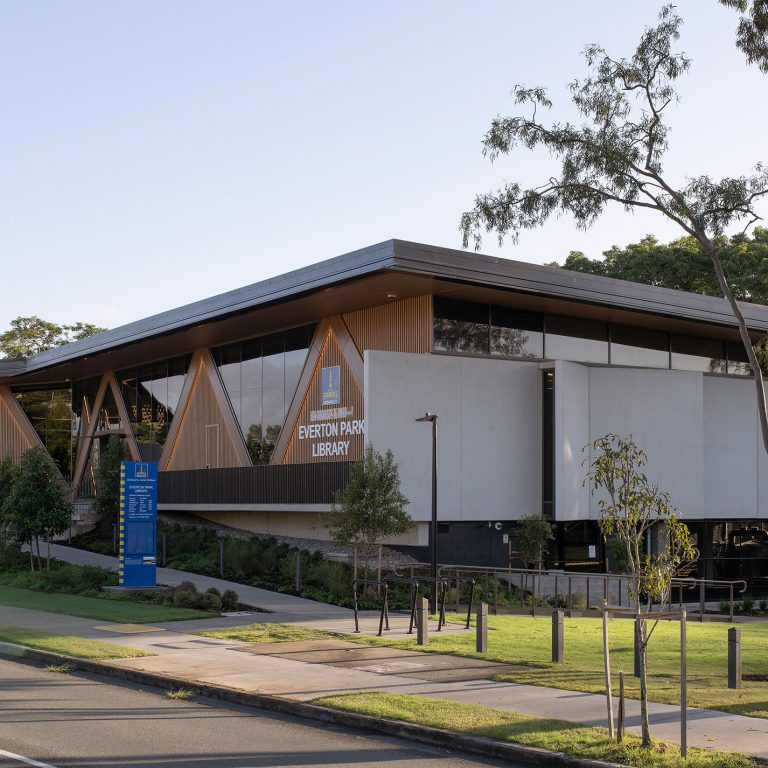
157,153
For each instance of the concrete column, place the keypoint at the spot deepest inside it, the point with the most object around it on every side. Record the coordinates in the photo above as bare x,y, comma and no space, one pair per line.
481,644
422,621
734,658
558,651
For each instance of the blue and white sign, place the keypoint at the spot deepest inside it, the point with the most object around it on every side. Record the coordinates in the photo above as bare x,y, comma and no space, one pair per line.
330,380
138,524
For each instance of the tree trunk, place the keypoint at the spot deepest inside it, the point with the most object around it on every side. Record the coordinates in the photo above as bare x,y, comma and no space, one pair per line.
31,557
644,721
39,558
48,553
762,407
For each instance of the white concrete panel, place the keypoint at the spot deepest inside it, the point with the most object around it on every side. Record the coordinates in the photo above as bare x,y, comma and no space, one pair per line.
489,431
663,411
730,448
762,458
571,436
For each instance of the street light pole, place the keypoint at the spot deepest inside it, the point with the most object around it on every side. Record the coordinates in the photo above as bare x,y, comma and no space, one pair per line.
432,417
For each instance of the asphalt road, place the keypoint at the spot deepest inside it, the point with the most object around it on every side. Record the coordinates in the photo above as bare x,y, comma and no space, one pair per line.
65,720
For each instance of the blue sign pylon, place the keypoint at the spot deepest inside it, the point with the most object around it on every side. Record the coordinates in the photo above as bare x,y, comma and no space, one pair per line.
137,563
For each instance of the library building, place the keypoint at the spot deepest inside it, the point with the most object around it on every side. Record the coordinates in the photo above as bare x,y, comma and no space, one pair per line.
255,403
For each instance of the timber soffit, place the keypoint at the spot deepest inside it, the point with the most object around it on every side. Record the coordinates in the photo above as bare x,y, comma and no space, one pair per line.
407,258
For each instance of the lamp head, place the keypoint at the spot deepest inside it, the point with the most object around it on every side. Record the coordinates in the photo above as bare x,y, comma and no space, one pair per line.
428,417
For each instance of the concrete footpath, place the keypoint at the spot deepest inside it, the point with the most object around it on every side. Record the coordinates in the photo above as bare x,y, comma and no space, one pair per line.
308,669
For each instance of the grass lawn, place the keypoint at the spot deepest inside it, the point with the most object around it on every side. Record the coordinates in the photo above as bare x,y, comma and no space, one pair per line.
526,641
80,647
260,634
582,741
121,611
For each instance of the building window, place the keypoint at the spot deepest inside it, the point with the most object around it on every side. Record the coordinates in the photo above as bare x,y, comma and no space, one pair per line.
49,410
738,365
515,333
461,326
151,394
260,377
691,353
639,347
570,338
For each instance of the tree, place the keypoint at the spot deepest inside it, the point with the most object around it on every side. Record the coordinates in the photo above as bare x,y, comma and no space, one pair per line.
629,508
533,536
31,335
107,484
616,157
36,505
752,32
684,266
370,506
6,478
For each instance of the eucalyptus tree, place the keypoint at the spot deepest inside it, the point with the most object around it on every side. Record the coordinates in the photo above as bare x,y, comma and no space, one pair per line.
615,156
630,506
752,32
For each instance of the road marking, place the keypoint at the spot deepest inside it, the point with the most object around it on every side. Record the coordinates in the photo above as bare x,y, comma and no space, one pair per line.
27,760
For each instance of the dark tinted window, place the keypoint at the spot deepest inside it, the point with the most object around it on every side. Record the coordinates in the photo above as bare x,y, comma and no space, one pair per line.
515,333
692,353
639,346
461,326
570,338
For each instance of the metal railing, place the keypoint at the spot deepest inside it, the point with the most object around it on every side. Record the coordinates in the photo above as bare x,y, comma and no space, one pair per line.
562,585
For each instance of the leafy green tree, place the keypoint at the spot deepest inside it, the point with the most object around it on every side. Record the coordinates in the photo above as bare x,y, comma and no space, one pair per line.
6,478
615,157
752,32
107,484
31,335
36,506
629,507
533,536
371,506
684,266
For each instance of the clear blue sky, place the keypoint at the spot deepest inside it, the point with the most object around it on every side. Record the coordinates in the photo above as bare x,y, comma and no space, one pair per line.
155,153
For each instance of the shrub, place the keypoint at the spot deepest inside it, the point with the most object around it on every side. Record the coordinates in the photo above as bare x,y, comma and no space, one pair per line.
213,591
230,600
185,595
764,605
747,604
208,601
725,607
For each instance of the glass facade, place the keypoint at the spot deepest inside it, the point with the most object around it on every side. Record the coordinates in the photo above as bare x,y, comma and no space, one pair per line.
151,395
260,376
480,329
49,410
570,338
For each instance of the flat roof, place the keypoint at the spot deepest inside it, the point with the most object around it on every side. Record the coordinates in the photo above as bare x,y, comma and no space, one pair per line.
405,257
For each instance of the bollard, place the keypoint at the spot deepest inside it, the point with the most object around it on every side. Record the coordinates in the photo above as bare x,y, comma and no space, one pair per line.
422,621
298,570
558,653
221,557
636,670
734,658
481,641
70,534
620,729
165,550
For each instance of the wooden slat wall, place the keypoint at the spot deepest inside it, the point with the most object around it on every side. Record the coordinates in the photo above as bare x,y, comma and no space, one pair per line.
300,451
16,433
202,409
400,326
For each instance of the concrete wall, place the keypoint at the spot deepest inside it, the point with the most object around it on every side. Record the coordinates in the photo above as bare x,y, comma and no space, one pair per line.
571,435
489,432
700,432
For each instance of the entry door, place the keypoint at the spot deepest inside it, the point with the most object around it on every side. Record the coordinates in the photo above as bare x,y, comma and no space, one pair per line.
211,446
